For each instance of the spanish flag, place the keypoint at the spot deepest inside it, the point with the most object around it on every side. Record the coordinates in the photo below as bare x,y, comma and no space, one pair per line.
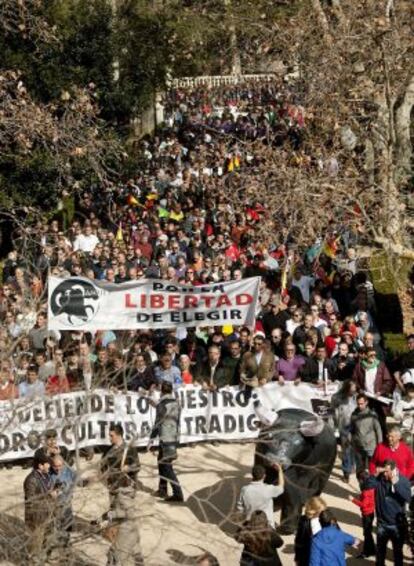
330,247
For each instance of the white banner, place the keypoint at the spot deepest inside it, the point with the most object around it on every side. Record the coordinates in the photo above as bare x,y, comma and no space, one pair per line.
82,418
78,303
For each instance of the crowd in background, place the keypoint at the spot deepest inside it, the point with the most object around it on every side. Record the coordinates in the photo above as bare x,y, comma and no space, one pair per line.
177,220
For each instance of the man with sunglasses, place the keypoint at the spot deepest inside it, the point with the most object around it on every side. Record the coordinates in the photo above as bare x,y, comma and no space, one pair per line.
257,366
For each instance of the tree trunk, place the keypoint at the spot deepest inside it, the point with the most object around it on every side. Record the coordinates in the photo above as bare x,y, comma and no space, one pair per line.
235,53
403,146
322,19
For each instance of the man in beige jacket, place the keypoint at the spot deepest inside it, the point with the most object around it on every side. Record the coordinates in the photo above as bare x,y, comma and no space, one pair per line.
257,367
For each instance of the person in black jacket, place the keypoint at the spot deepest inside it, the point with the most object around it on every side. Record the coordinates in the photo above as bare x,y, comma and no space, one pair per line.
275,318
260,542
300,334
142,375
39,503
308,526
119,467
51,447
342,364
317,367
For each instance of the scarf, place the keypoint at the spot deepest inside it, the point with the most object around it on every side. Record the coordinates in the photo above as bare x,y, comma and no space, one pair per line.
368,366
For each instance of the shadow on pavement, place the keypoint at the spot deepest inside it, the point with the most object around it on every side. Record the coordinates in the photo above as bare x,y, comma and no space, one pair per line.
179,557
216,504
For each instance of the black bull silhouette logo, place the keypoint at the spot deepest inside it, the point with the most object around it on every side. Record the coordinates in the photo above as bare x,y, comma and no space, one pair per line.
70,298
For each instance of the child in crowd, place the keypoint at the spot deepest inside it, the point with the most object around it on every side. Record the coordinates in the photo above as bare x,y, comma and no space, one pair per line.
366,502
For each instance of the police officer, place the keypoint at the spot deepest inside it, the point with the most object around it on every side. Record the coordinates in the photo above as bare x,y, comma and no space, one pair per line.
120,466
167,428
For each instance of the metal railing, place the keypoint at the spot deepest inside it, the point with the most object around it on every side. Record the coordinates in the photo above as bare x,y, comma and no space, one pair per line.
217,80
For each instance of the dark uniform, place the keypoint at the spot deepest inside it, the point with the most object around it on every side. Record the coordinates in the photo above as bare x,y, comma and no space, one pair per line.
167,428
126,548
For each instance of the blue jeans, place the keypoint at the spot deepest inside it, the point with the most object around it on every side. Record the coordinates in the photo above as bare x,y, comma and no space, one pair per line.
348,457
362,458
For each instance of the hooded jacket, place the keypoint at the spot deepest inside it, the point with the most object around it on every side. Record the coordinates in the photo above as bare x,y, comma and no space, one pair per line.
328,547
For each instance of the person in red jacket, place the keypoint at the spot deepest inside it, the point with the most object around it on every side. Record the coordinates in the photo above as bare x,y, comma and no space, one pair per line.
366,502
393,449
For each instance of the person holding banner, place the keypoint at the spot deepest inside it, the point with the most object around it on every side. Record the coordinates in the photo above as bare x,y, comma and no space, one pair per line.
211,373
32,387
167,429
166,372
257,367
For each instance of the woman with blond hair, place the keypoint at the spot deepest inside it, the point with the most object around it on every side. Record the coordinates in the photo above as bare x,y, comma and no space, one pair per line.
308,526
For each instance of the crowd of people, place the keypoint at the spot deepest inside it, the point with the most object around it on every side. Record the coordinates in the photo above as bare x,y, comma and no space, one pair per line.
177,220
385,493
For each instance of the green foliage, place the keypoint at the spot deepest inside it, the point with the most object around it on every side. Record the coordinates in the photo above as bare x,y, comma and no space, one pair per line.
395,344
389,274
29,179
145,40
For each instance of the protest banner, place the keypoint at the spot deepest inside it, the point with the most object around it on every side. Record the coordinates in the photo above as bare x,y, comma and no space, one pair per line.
82,418
78,303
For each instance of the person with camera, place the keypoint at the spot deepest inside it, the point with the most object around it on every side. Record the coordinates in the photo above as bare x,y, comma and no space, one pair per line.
51,447
64,480
167,428
119,467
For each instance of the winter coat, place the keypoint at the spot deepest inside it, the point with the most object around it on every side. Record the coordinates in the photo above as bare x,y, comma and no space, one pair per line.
167,420
344,408
390,500
38,503
365,430
383,384
366,501
303,541
328,547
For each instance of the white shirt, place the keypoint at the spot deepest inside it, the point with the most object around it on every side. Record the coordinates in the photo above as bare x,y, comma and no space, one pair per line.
315,525
212,370
258,496
258,357
86,243
320,323
408,376
370,375
291,326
